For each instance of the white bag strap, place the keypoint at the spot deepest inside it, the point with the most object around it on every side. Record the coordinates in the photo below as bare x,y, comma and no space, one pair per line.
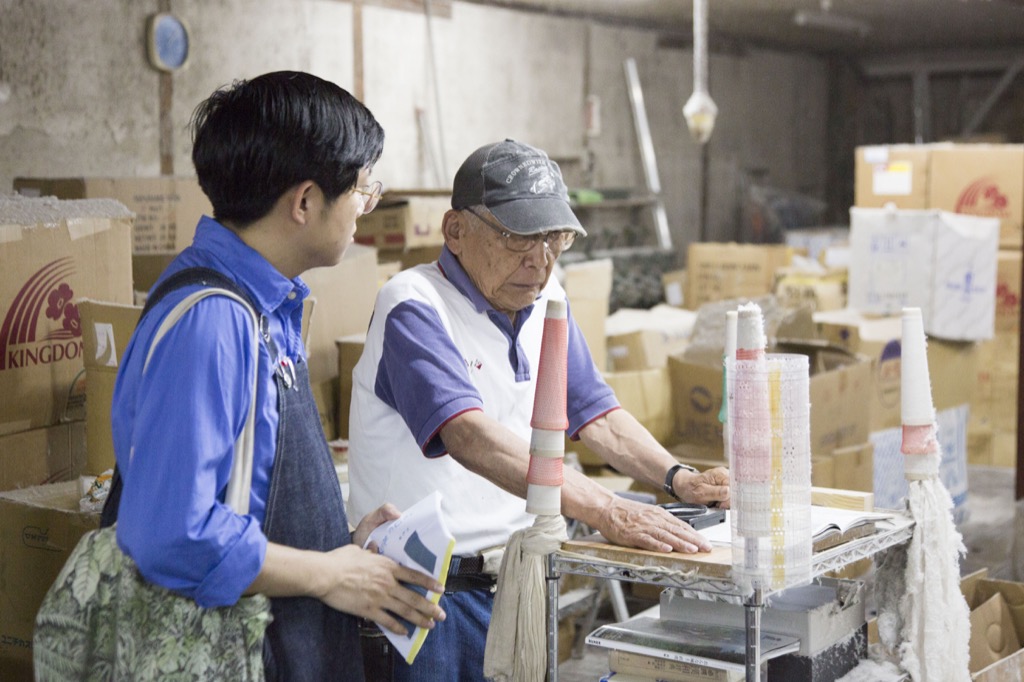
240,480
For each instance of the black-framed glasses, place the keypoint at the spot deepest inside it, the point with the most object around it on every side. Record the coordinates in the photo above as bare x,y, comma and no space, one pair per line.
557,240
371,195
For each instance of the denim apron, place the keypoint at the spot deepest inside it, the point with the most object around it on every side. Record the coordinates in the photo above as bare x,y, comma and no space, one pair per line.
307,639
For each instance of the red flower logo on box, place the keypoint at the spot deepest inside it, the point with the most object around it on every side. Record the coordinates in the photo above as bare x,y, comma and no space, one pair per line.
983,198
47,288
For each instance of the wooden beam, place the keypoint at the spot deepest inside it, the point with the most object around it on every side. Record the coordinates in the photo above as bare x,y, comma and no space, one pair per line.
166,104
438,8
357,51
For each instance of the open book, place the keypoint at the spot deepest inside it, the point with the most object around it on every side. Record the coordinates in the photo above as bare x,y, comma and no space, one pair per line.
706,644
829,526
418,539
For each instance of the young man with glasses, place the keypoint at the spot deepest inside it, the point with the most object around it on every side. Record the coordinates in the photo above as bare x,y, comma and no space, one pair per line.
444,390
285,160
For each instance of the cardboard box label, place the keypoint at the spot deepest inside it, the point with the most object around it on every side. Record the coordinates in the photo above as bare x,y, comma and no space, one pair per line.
893,179
53,254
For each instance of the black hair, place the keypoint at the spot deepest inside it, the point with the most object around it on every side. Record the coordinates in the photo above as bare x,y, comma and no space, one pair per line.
256,139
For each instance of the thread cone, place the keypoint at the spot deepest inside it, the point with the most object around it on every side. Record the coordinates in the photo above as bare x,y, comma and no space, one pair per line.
915,384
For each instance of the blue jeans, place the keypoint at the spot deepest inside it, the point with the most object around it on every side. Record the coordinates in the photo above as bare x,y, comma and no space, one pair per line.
454,649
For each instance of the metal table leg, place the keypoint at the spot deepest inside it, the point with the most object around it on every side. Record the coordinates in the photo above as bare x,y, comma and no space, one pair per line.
551,582
753,606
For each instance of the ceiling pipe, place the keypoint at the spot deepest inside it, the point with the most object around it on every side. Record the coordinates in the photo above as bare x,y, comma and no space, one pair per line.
700,110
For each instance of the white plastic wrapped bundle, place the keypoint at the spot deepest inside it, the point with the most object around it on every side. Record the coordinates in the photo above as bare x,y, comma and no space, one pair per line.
769,438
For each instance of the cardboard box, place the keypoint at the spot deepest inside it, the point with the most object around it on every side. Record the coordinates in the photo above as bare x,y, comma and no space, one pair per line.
350,349
39,527
896,174
850,468
984,180
344,295
674,284
949,362
40,456
644,339
146,269
405,220
839,414
53,252
413,257
106,330
723,271
588,287
988,621
166,209
647,395
815,241
938,261
816,291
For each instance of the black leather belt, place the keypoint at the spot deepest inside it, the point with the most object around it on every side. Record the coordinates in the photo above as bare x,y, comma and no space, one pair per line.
466,565
466,573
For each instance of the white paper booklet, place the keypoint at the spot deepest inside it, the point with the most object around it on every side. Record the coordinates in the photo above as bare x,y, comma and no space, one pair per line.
418,539
824,521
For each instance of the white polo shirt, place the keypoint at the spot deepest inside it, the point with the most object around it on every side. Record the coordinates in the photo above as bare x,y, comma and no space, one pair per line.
436,349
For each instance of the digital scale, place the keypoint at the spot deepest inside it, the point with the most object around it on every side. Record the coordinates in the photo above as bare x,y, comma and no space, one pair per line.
697,515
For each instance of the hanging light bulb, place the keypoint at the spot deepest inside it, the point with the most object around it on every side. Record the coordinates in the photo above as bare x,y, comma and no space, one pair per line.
700,110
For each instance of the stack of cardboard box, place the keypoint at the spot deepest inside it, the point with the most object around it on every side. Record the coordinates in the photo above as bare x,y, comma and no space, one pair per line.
982,180
406,226
55,254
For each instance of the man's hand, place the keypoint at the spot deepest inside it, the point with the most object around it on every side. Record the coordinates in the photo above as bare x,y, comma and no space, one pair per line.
383,514
710,487
367,584
648,526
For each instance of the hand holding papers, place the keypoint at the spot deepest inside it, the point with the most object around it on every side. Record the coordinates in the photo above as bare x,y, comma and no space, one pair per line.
418,539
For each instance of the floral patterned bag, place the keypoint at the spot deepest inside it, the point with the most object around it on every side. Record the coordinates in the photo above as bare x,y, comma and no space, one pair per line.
101,620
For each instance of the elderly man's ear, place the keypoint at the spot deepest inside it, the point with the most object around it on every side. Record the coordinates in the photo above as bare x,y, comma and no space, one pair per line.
454,227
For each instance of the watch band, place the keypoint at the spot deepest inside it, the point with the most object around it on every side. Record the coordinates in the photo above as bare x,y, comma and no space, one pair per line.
667,486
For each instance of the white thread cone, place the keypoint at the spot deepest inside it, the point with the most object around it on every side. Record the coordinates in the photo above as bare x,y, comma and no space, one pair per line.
915,383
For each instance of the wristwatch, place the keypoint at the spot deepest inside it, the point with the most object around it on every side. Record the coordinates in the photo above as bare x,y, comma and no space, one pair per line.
672,474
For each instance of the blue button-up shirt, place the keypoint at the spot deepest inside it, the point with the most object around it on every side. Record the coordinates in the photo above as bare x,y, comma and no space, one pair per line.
175,425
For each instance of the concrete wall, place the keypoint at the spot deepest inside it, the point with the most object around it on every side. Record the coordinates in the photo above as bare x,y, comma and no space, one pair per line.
77,96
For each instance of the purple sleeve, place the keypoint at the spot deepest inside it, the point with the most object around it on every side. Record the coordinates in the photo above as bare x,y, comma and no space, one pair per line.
588,396
422,375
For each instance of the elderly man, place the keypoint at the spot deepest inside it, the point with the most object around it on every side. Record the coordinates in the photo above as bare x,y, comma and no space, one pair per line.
444,392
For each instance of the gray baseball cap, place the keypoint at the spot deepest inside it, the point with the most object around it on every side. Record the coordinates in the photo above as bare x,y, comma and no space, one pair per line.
519,185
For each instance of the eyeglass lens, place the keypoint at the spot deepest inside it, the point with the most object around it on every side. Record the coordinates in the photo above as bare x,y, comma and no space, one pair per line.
371,196
556,241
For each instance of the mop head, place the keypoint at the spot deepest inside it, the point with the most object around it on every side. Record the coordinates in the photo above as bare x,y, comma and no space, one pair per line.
935,615
516,649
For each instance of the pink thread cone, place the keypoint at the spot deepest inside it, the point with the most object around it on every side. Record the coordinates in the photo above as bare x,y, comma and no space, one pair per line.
549,410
